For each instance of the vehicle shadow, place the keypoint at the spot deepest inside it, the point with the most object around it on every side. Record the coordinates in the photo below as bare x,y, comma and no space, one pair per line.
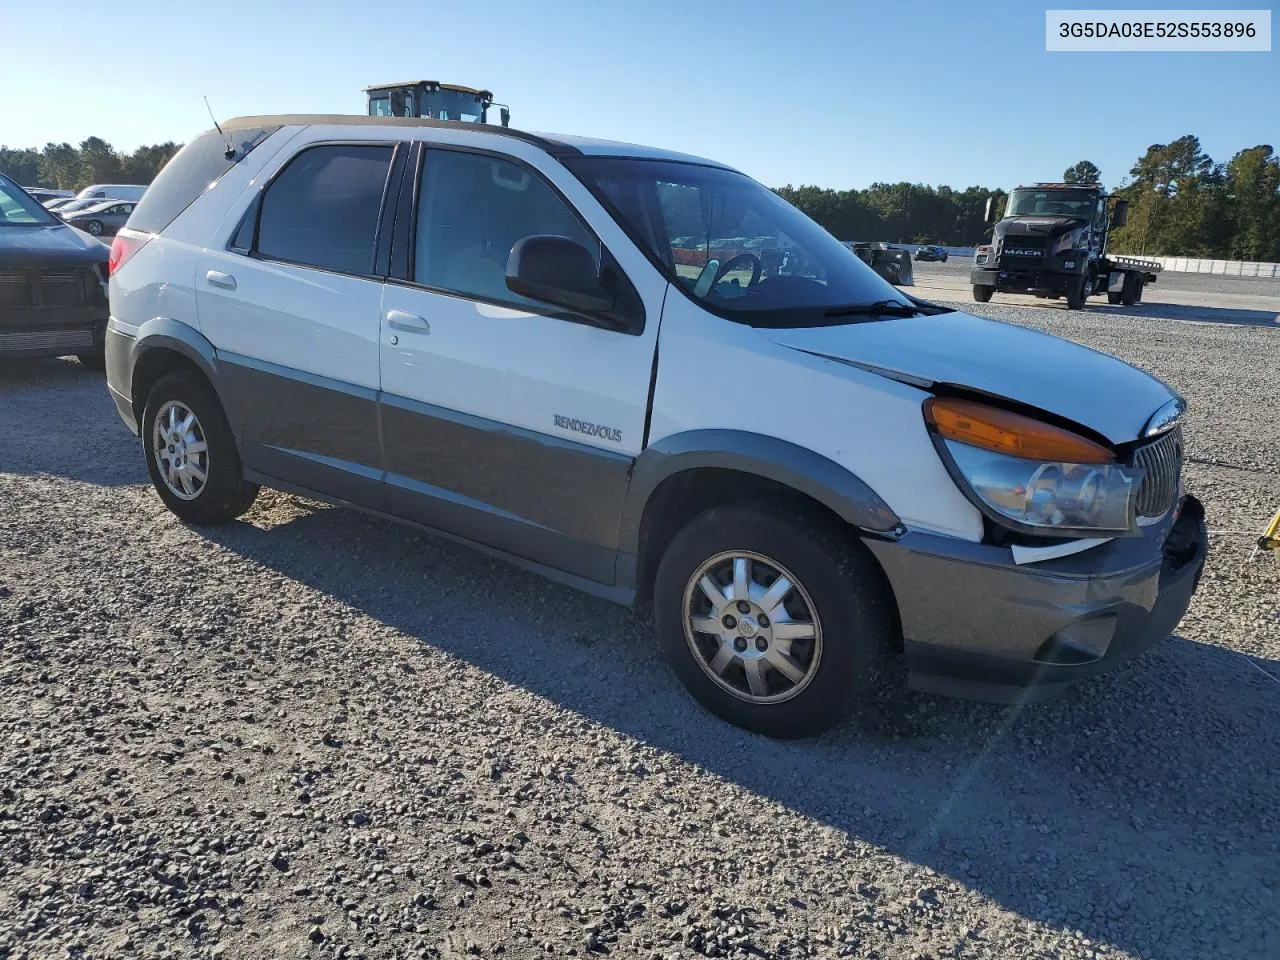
45,405
1139,809
1194,314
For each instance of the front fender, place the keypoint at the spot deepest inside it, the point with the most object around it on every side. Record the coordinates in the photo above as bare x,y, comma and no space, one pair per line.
793,466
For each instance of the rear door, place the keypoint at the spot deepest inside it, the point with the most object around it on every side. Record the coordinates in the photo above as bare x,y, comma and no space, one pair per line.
291,302
505,420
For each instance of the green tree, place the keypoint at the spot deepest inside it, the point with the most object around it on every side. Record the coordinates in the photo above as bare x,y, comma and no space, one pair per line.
60,166
22,166
1253,191
1083,171
99,162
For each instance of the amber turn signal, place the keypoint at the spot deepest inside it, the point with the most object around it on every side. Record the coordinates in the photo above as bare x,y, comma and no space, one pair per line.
1010,433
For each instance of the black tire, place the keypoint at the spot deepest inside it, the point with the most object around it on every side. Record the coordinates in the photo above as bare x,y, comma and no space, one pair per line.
944,258
94,228
93,360
1078,295
844,583
225,494
1113,298
1132,291
982,293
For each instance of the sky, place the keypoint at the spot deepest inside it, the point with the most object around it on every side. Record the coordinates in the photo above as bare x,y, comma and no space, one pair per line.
838,93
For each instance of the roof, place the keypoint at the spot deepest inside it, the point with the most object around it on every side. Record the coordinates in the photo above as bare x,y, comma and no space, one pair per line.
1059,186
443,86
556,144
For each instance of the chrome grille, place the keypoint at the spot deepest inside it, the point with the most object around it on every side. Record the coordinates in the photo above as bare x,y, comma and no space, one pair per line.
1162,461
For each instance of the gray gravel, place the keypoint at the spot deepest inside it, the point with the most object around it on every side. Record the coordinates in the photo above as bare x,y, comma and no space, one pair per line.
313,734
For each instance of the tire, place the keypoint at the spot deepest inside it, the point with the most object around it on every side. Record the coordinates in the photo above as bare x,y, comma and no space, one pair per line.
944,258
982,293
1113,298
1078,295
835,581
1132,291
94,227
224,494
94,361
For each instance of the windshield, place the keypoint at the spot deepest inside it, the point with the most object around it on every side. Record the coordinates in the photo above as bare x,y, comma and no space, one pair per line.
1051,203
17,209
434,105
731,244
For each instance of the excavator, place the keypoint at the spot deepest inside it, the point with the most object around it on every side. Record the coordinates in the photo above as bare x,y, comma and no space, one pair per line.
434,100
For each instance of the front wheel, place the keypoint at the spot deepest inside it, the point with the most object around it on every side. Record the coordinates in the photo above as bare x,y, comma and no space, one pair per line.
944,258
94,227
982,293
191,453
1079,293
1113,298
96,361
776,624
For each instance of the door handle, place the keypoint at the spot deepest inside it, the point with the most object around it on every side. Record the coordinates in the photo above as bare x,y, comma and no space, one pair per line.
217,278
407,321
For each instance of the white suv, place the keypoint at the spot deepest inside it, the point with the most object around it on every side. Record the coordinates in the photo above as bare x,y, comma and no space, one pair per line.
647,376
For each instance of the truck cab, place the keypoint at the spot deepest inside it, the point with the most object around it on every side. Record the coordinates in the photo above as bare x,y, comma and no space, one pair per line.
1052,242
433,100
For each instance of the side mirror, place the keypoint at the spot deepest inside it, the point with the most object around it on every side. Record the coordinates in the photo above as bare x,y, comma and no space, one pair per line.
986,214
557,270
1120,216
505,116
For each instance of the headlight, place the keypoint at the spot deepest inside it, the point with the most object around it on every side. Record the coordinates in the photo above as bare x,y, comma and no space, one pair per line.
1069,241
1032,476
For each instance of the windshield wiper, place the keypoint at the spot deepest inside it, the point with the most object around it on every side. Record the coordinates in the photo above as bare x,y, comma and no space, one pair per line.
880,308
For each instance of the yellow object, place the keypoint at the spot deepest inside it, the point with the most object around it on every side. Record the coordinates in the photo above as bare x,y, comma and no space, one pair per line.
1271,538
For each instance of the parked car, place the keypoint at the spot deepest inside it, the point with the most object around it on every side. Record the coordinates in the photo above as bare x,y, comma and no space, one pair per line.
53,290
928,253
101,219
75,205
43,195
58,202
805,472
113,191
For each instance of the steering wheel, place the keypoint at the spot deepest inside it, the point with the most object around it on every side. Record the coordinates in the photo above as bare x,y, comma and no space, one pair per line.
733,262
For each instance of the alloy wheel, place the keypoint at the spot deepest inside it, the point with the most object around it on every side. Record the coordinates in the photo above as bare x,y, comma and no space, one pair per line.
181,450
752,627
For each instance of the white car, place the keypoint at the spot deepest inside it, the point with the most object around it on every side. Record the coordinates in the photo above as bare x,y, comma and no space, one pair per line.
508,338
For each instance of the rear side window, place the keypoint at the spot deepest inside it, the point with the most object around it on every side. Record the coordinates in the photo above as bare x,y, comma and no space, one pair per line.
195,168
322,209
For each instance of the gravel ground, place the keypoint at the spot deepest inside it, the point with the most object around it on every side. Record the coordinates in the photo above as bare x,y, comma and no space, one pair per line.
313,734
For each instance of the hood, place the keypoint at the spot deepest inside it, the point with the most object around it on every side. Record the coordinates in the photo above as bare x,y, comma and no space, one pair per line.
1036,226
52,245
1090,388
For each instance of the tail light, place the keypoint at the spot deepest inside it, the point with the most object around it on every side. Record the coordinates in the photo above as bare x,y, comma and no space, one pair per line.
126,243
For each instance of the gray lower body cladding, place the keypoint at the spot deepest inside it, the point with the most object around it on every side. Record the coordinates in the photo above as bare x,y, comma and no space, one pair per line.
976,625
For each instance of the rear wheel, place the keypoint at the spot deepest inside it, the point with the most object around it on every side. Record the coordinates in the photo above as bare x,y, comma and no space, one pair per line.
1112,297
779,625
1132,291
94,227
191,453
982,293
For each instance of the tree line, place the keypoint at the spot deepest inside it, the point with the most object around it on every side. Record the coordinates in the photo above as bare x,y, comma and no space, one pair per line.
62,166
1181,203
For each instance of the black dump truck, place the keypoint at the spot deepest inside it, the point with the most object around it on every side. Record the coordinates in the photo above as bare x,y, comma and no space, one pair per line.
1052,242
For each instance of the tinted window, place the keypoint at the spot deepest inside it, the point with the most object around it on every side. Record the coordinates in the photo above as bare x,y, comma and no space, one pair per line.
193,170
322,210
474,209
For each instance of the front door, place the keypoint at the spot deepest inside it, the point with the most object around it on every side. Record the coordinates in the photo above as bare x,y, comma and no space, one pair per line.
504,420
